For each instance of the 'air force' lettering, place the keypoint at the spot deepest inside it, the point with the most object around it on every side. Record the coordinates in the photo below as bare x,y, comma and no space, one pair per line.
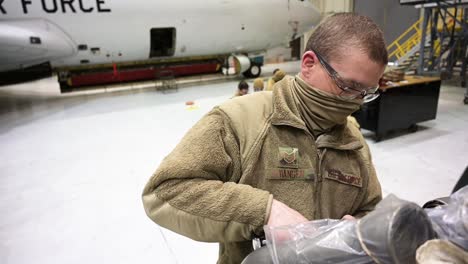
63,6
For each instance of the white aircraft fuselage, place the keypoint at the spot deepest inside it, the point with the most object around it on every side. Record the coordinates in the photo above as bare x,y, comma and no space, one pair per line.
76,32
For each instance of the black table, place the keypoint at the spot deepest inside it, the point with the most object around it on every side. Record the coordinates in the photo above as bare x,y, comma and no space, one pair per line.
401,106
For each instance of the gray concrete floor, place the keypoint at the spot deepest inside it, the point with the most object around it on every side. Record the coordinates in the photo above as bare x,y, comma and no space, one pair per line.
72,169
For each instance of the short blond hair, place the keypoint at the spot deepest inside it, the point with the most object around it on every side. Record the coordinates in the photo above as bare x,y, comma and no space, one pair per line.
258,84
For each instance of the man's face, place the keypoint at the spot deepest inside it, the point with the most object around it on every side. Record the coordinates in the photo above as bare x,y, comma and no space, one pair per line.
244,91
355,70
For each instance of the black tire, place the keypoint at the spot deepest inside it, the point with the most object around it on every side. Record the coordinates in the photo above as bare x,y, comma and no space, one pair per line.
465,101
254,71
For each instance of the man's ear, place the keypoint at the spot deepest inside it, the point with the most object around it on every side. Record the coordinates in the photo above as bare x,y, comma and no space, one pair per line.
309,61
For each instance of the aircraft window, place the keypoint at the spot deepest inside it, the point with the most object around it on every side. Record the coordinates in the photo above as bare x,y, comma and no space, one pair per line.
35,40
95,50
162,42
82,47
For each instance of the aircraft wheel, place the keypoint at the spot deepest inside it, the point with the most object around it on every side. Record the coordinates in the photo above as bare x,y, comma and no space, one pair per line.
254,71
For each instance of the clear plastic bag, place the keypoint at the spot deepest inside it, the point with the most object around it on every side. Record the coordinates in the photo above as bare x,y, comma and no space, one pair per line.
321,241
451,221
389,234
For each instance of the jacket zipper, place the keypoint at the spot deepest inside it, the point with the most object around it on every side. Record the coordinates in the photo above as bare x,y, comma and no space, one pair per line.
318,188
320,159
318,178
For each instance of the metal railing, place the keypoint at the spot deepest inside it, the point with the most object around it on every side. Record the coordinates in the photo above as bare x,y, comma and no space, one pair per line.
406,42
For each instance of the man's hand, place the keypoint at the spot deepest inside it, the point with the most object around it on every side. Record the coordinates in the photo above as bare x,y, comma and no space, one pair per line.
281,214
348,217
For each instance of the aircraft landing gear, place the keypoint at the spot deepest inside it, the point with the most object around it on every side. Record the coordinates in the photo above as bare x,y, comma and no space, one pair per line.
254,71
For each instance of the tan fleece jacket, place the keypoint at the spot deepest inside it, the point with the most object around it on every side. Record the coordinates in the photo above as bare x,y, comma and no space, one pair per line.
217,185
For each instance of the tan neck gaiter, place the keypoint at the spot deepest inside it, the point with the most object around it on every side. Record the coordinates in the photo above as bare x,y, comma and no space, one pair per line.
321,110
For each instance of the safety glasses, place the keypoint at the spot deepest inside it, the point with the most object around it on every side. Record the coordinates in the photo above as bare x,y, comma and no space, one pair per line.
348,91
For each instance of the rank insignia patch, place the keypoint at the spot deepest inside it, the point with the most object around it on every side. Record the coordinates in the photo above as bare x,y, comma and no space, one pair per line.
288,157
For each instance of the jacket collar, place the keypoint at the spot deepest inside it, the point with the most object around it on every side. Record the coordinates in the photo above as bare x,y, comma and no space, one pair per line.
286,113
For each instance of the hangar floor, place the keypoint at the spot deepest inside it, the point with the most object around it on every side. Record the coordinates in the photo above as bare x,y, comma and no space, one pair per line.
73,167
